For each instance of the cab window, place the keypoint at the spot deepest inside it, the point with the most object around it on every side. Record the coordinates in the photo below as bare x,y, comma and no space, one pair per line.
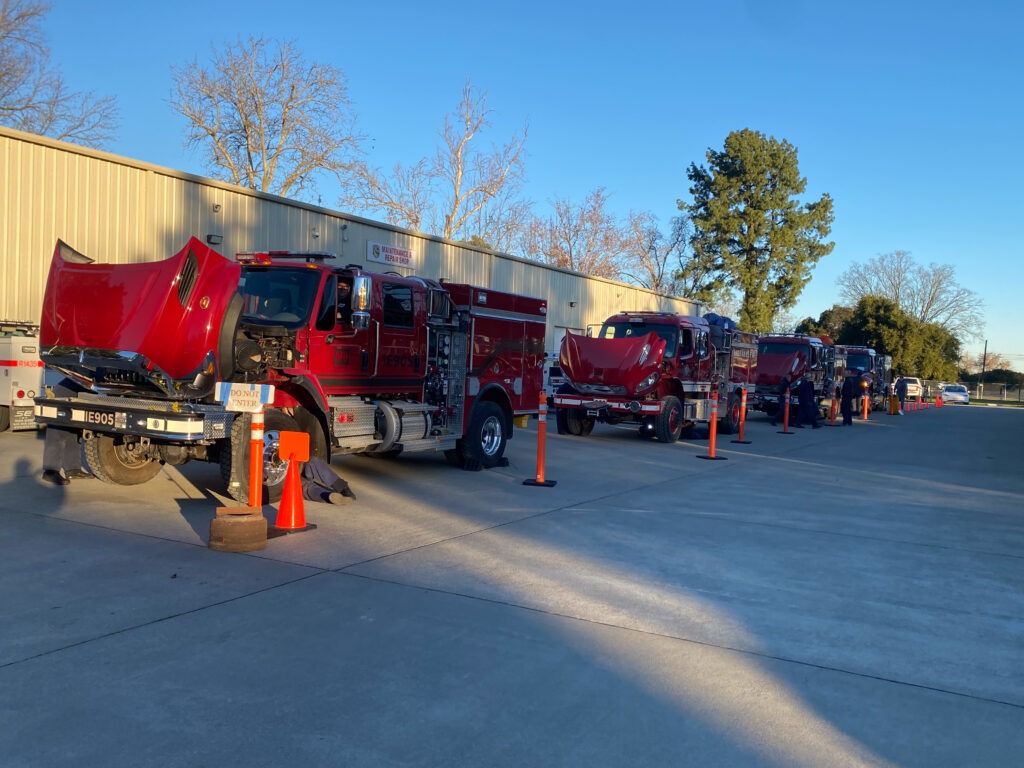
397,305
325,317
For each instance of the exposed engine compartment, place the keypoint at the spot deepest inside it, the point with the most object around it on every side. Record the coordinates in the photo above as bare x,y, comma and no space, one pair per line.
259,348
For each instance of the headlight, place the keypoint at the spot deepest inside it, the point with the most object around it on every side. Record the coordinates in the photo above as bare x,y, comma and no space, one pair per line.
647,383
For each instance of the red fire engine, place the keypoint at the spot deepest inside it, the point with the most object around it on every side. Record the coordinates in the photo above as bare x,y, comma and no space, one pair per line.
364,362
872,370
655,369
793,356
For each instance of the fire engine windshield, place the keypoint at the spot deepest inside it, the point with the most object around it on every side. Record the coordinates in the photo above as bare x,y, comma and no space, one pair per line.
278,296
669,333
780,348
863,362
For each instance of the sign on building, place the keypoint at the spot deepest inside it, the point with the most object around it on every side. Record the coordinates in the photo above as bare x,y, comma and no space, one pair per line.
392,255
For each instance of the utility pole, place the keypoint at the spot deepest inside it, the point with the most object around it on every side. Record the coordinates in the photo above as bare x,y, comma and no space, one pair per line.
981,381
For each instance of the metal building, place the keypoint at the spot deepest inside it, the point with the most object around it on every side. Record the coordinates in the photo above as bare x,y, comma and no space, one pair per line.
118,210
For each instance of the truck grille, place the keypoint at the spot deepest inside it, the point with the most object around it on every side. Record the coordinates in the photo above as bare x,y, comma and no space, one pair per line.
120,377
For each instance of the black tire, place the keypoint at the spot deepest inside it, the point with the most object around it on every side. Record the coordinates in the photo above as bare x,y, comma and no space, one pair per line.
729,424
308,422
5,418
562,421
485,439
575,423
112,461
669,424
234,458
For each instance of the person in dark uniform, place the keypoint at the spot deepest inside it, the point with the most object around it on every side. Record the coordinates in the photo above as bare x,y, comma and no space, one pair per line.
808,406
848,393
901,393
62,455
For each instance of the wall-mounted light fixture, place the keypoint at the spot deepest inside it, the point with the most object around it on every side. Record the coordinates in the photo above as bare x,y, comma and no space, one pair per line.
216,207
315,231
344,233
215,239
572,303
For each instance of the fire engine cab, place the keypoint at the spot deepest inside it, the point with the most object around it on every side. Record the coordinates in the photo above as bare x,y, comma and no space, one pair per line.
365,362
793,356
873,372
656,369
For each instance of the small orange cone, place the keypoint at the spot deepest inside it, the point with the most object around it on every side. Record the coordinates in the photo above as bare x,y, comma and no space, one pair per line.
291,512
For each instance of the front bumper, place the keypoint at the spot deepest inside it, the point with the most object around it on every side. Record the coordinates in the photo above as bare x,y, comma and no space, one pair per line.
598,406
159,420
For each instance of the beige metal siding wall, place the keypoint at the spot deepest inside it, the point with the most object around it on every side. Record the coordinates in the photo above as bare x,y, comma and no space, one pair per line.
96,205
118,210
578,301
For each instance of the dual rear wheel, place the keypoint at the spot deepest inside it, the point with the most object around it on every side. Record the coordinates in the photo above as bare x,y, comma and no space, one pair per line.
483,445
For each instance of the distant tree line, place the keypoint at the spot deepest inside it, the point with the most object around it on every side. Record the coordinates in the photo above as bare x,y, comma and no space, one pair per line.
918,315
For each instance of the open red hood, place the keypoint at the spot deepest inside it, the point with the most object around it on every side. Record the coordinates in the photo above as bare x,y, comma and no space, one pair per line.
610,366
771,367
167,325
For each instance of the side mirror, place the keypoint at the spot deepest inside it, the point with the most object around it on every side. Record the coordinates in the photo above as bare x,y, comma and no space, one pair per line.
362,293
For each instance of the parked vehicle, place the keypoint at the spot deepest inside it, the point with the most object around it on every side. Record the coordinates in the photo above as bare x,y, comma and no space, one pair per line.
21,374
554,378
657,370
794,356
955,393
872,370
363,362
914,388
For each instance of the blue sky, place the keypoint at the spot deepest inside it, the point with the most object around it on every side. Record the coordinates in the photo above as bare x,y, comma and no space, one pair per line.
909,114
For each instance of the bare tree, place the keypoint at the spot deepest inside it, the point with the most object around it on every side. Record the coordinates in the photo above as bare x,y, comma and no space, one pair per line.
501,221
928,294
267,118
461,193
729,304
33,94
402,198
584,238
989,361
652,259
784,323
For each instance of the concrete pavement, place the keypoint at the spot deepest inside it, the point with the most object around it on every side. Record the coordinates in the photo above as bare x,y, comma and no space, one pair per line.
842,596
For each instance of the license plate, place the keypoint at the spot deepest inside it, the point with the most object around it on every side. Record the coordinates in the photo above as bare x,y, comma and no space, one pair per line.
110,419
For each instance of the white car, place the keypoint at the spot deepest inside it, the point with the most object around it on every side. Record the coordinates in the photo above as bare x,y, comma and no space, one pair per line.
914,389
956,393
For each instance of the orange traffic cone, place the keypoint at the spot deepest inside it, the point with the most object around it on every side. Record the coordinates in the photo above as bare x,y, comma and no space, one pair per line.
291,512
